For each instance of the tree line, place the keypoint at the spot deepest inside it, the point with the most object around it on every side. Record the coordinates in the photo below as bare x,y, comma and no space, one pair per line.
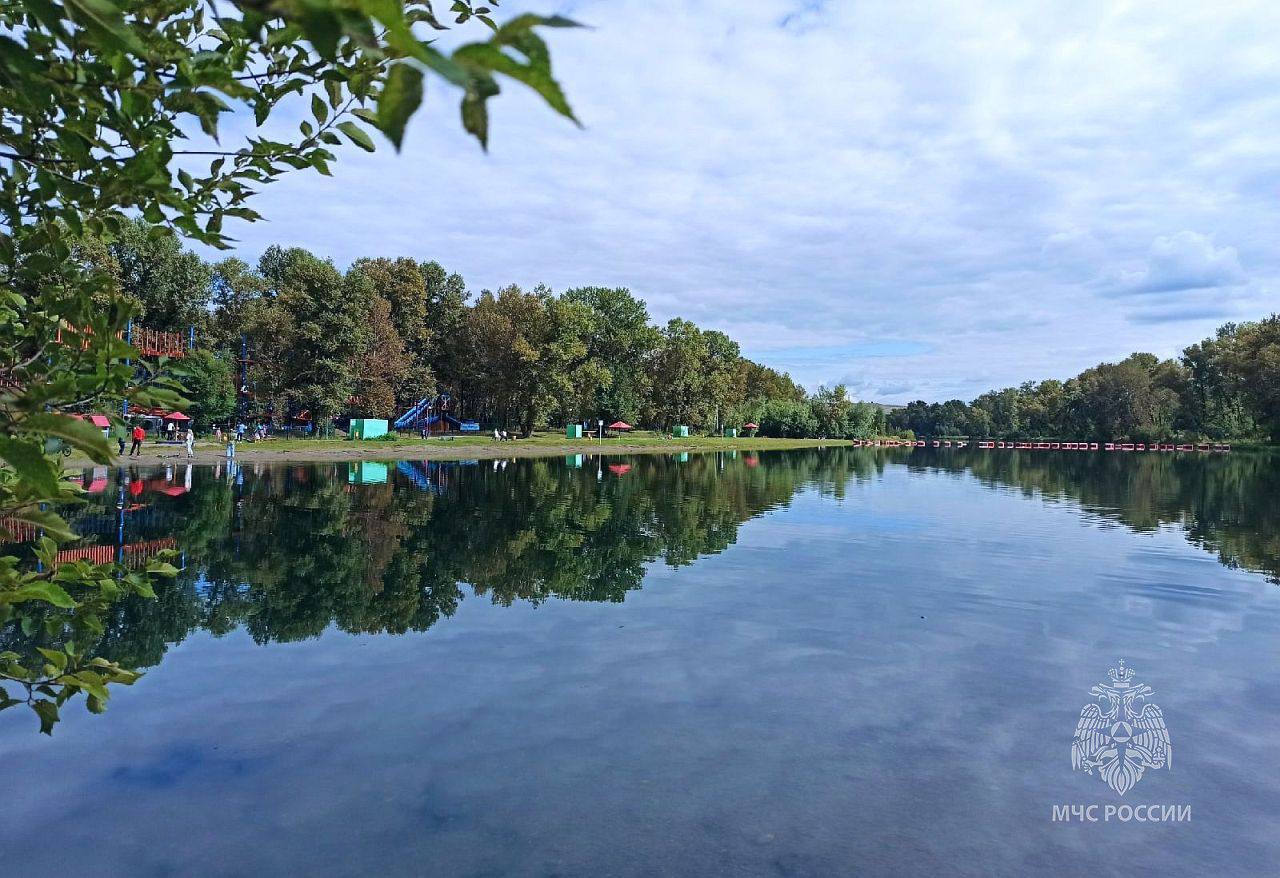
378,337
1224,387
372,340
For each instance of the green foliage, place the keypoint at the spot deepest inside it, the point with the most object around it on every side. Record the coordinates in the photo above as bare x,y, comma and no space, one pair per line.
787,419
165,286
621,342
1224,387
57,608
209,382
112,147
389,332
103,95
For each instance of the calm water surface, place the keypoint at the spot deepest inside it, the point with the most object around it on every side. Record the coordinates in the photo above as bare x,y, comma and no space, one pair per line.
814,663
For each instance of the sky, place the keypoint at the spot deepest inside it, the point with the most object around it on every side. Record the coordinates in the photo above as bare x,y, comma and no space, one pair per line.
919,200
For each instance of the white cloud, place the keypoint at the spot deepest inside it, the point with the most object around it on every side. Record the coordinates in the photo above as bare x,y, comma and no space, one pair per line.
955,176
1185,261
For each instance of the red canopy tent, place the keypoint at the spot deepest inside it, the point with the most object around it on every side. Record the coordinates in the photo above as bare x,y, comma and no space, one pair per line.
100,420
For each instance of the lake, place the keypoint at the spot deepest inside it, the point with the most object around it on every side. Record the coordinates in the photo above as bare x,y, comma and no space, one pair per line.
825,662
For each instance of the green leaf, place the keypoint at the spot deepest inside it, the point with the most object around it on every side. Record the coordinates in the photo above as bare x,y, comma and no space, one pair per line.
400,98
357,134
48,713
319,108
56,658
475,118
48,592
79,433
104,21
320,24
334,89
31,465
536,74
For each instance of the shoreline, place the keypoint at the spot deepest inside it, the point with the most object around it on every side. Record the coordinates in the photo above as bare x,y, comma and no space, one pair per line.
330,450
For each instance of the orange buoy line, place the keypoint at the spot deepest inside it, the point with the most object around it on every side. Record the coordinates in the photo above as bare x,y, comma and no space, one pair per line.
1005,445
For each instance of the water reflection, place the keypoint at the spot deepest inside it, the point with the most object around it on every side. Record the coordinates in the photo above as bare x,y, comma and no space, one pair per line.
883,685
287,551
1226,504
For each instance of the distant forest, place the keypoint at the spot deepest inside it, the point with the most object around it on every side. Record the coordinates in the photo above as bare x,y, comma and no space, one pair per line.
1225,387
373,340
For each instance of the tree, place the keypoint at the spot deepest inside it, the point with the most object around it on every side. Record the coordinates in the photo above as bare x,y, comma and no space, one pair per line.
209,381
1122,400
866,421
321,330
1001,411
722,385
405,356
110,113
1255,363
787,419
621,341
383,366
679,379
524,348
831,410
236,291
167,286
1214,403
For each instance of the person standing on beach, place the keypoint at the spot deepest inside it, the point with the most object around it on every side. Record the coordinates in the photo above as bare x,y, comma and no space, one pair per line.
138,435
191,442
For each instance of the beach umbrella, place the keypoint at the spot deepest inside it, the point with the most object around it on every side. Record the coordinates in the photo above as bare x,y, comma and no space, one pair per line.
176,416
619,425
619,469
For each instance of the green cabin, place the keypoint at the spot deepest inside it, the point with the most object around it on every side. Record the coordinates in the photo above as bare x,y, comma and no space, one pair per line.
368,428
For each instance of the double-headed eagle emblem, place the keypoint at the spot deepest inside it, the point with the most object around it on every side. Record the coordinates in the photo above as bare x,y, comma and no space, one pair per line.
1116,738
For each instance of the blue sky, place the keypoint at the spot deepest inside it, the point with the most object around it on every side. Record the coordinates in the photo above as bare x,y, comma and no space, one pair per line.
919,200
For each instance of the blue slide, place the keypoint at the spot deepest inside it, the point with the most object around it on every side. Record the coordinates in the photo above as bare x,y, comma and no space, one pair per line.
406,420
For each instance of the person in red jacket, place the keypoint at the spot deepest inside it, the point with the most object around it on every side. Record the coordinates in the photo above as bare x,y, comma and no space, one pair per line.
138,435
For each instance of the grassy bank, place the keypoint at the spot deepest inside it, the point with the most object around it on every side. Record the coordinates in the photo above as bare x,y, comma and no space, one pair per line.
467,448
